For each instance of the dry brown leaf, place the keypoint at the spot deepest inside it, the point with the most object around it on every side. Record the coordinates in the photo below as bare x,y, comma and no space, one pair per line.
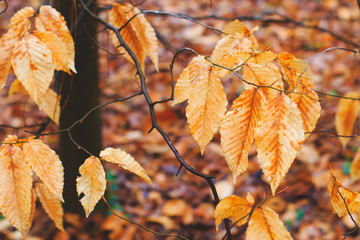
261,75
308,103
17,27
138,34
56,46
51,204
193,73
16,183
355,167
33,66
279,136
124,160
238,128
51,105
46,164
50,20
295,70
346,115
338,194
206,109
265,224
92,183
235,207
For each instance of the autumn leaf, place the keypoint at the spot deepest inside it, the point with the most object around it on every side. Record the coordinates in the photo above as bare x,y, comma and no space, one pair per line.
19,23
206,109
16,183
33,66
235,207
296,71
91,183
308,103
346,115
56,47
340,195
279,136
138,34
259,58
46,164
50,20
51,204
17,87
51,105
238,128
260,75
355,167
125,161
238,29
265,224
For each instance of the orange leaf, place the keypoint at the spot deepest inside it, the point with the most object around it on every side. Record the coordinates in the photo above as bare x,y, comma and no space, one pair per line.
238,29
308,103
279,136
33,66
51,204
193,73
17,87
355,167
18,25
258,57
338,194
238,128
265,224
91,183
125,161
51,20
16,183
235,207
206,109
138,34
345,117
46,164
56,46
294,71
51,105
267,75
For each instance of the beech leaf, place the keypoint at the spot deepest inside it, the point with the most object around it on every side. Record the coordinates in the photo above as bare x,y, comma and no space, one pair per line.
279,136
92,183
46,164
51,105
124,160
355,167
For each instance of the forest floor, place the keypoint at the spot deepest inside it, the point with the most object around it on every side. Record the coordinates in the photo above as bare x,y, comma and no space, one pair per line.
183,204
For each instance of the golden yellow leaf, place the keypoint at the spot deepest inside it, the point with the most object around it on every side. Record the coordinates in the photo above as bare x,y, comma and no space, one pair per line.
346,115
51,204
17,87
51,20
338,194
56,46
33,205
294,71
51,105
355,167
265,224
238,29
238,128
92,183
33,66
206,109
46,164
267,75
193,73
279,136
138,34
124,160
308,103
235,207
16,183
19,24
258,57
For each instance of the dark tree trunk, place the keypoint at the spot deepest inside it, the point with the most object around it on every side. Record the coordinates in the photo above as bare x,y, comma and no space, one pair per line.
79,93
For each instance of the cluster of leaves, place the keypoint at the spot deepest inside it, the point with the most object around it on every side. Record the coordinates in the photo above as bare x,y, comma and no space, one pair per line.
277,107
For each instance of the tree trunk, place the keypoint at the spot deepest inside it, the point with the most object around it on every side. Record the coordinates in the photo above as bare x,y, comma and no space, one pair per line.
79,94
